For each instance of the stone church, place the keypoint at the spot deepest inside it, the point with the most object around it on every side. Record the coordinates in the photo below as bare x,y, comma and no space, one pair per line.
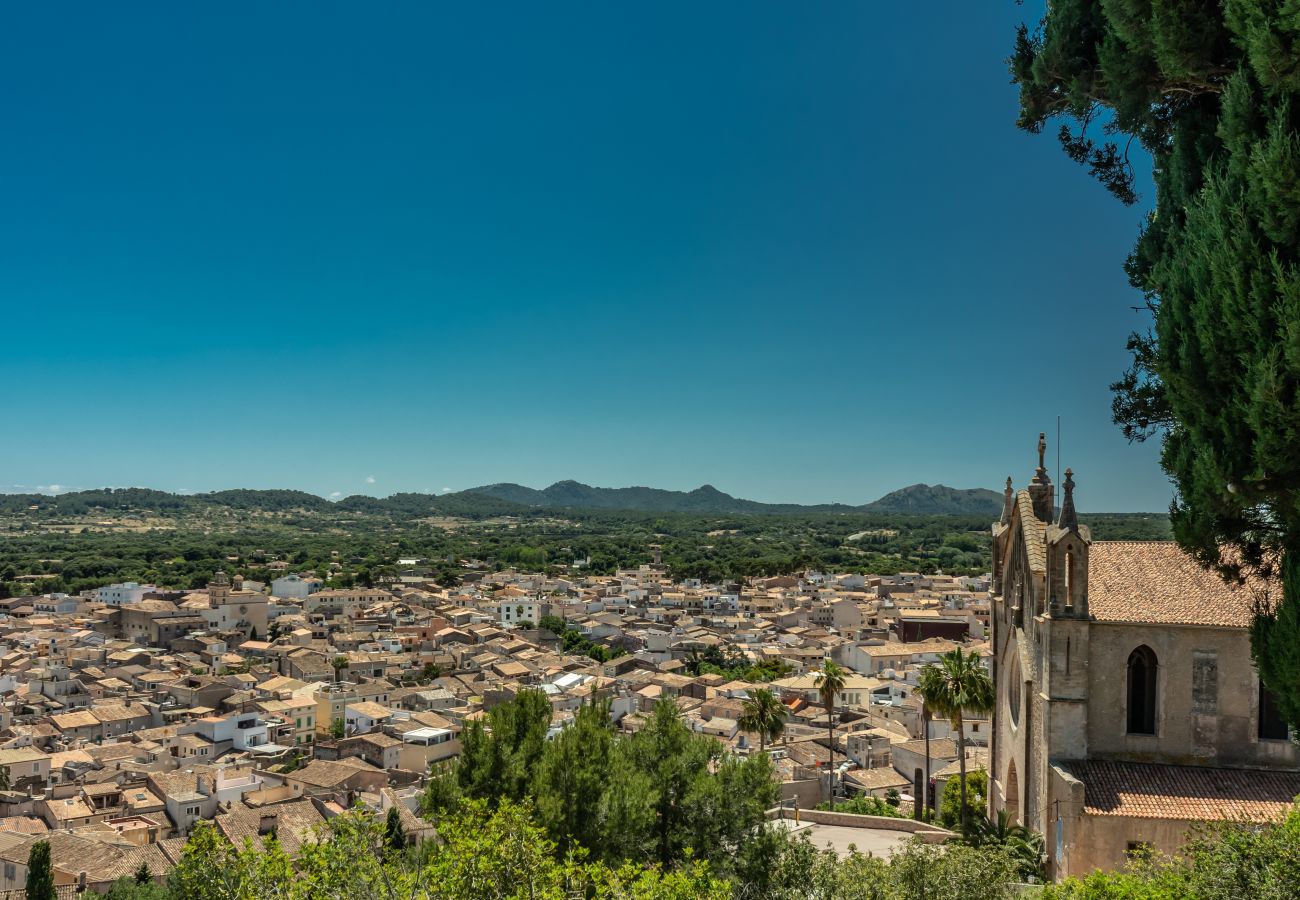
1128,707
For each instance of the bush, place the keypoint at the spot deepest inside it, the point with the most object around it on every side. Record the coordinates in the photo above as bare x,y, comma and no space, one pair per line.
865,805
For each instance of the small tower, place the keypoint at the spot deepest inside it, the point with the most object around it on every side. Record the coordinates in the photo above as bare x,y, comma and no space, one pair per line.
218,590
1068,545
1069,518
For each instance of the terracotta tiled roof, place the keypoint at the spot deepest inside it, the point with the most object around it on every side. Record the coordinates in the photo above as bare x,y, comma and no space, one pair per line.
295,823
1184,793
1156,582
875,779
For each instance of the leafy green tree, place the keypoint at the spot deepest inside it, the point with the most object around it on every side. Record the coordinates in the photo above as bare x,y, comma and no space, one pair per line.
338,663
763,713
1210,91
554,624
950,804
338,728
830,679
958,684
40,872
5,783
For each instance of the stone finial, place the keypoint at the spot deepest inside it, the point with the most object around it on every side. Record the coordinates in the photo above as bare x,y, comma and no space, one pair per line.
1008,497
1040,486
1040,475
1069,518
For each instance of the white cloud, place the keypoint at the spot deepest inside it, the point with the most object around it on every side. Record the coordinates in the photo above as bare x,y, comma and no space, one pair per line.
446,490
370,479
334,495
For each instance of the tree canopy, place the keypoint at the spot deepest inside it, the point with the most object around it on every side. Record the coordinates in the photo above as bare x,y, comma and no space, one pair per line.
1209,90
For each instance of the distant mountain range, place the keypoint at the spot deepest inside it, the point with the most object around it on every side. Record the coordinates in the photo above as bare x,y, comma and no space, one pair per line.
504,499
497,500
921,499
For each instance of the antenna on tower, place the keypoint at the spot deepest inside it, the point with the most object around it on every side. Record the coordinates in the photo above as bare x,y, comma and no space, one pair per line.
1057,479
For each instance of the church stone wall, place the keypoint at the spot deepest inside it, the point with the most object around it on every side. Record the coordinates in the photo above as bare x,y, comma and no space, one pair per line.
1206,698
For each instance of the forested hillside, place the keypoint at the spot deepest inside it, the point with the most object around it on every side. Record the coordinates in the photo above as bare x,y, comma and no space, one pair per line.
88,539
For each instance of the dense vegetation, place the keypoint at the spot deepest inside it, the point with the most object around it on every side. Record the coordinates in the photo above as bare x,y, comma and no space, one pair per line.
141,539
1212,92
663,812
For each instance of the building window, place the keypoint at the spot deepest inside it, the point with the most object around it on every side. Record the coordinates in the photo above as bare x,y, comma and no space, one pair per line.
1138,849
1142,691
1272,726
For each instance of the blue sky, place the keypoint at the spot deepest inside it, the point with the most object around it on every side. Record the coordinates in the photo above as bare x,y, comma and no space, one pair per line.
799,253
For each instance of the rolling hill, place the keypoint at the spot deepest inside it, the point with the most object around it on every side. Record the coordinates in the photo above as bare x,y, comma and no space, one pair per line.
495,500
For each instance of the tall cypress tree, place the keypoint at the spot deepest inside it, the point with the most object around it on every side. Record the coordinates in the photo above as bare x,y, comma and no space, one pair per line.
1210,90
40,873
394,831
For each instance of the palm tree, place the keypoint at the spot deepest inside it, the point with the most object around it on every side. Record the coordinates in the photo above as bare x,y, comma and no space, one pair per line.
765,714
830,681
958,684
1024,846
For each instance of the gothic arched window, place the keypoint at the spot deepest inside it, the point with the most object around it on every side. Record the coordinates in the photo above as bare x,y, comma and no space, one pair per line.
1142,669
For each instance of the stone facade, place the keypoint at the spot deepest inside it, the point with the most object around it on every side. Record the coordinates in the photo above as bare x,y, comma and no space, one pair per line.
1120,652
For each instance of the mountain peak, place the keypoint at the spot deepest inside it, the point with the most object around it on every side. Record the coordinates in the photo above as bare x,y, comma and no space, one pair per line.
939,499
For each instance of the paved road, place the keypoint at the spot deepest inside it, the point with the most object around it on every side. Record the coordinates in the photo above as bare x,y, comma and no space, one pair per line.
875,841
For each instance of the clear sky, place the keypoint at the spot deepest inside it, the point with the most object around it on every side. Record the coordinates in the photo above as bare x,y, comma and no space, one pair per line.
797,252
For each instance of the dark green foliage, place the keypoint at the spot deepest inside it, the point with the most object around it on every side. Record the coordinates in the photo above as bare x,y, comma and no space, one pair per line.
1210,91
1023,846
129,888
717,661
200,539
663,794
40,873
574,780
500,761
701,801
394,831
